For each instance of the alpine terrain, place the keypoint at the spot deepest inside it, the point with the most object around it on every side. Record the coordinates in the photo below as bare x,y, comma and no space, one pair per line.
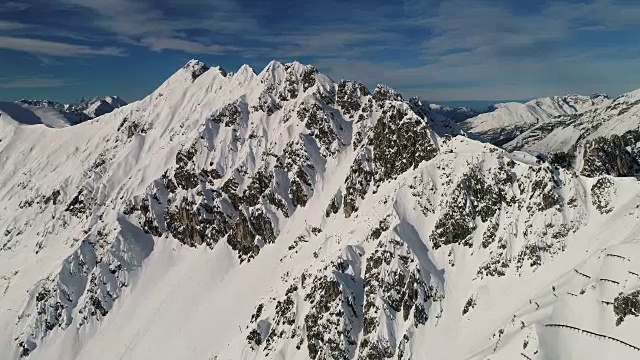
282,215
509,120
457,114
55,114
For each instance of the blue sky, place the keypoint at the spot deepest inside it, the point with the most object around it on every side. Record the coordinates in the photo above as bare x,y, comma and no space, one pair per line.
437,49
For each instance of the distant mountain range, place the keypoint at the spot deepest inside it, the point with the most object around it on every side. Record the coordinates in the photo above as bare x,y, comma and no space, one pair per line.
509,120
588,134
458,114
56,114
480,106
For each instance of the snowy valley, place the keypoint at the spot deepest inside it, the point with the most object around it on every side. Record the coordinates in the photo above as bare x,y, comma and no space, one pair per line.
282,215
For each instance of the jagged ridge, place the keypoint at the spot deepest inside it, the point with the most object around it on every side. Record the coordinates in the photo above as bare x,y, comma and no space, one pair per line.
342,224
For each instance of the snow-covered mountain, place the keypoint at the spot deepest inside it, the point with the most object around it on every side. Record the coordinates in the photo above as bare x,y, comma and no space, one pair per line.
600,140
509,120
456,114
55,114
95,107
282,215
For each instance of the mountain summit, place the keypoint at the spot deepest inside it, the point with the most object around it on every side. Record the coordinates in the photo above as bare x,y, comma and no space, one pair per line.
282,215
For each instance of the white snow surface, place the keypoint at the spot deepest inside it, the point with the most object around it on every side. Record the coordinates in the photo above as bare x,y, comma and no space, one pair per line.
511,119
64,258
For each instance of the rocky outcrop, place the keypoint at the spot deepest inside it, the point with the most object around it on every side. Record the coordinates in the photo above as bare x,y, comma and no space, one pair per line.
397,289
350,96
626,305
400,140
88,283
617,155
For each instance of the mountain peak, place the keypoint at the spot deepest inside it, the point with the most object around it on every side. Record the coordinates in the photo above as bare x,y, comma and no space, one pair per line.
384,92
115,100
100,106
273,64
296,66
196,68
274,70
245,70
194,63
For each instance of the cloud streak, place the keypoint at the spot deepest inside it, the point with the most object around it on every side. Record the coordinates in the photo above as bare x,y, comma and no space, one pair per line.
12,6
10,25
31,83
159,44
140,22
52,48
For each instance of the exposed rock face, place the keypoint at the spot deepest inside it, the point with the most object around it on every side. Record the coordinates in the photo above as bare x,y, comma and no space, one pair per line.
615,156
350,95
627,305
601,194
402,288
195,68
397,287
358,182
242,239
400,140
384,93
229,115
195,225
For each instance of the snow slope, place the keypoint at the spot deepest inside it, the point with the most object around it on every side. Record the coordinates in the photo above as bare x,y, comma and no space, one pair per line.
281,215
509,120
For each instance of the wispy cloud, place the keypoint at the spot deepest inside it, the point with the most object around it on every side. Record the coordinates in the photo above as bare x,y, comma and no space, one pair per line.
13,6
31,83
461,26
10,25
341,41
159,44
610,14
51,48
143,23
